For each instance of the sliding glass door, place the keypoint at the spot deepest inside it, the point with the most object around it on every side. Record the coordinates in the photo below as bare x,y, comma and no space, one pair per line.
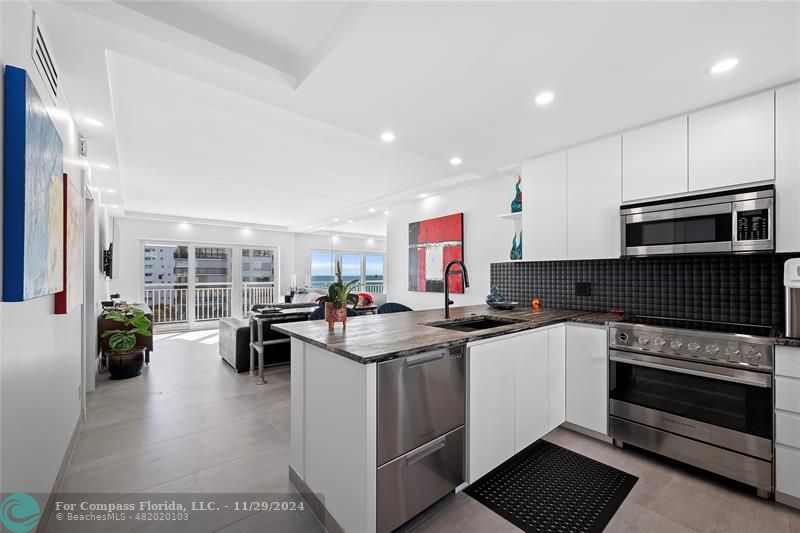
192,284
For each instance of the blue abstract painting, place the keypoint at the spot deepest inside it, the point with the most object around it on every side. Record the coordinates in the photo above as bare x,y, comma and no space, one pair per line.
33,194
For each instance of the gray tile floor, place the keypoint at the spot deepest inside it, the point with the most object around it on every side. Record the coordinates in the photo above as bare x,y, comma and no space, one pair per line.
190,424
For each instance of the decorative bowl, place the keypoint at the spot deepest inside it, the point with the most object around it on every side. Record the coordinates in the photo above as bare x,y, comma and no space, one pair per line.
503,305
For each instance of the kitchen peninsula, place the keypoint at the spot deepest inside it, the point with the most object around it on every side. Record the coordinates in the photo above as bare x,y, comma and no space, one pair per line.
384,410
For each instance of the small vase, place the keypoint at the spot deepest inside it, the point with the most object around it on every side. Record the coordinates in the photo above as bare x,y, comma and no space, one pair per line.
333,315
513,254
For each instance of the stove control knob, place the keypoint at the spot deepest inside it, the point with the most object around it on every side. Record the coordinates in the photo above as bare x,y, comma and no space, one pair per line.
676,344
622,337
659,342
693,347
644,339
732,352
752,355
712,349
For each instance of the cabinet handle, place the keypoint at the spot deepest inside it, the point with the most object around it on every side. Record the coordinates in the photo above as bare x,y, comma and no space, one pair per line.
425,451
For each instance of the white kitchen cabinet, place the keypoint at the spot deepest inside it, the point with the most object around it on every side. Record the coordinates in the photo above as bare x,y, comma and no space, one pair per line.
587,377
557,382
594,183
787,425
655,160
787,167
531,388
544,222
733,143
491,417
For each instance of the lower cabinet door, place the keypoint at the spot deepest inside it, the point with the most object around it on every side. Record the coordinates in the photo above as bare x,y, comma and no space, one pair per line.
587,377
412,482
787,470
490,417
557,382
531,389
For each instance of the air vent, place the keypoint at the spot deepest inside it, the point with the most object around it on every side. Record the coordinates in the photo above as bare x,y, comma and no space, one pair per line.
42,55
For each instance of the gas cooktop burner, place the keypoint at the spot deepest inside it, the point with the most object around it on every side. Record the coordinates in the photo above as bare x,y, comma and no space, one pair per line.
701,325
717,343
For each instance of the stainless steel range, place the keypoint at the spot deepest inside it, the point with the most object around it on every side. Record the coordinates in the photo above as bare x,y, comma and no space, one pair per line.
698,392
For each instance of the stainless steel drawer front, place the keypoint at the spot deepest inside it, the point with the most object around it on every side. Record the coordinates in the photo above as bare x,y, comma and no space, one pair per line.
730,464
420,397
413,482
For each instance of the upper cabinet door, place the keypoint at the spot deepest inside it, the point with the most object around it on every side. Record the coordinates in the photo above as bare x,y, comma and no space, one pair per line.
594,183
544,220
655,160
787,167
733,144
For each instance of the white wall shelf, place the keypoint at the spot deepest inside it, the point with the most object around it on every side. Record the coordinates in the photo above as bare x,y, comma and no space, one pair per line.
511,216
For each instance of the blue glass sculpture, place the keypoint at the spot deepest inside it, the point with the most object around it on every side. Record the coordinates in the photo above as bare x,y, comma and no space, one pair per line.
516,249
516,205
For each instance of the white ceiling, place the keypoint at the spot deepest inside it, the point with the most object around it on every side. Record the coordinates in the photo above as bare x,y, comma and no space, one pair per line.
269,112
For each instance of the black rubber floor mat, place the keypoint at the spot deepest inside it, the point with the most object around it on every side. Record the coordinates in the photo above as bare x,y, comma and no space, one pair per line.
548,489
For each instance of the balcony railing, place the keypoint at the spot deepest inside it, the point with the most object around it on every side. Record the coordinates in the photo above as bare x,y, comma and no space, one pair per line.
372,286
168,303
256,293
212,301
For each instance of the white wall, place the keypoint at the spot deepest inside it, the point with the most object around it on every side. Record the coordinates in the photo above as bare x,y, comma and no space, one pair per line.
40,368
131,233
305,242
487,239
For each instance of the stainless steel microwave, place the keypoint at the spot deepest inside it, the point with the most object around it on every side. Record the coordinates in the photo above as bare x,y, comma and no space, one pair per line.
734,221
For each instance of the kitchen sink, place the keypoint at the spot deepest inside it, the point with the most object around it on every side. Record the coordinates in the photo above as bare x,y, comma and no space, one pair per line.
477,323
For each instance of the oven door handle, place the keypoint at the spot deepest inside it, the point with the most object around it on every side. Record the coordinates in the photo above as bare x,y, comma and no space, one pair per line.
732,375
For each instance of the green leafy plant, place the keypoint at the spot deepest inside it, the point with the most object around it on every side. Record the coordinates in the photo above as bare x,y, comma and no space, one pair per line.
340,293
135,323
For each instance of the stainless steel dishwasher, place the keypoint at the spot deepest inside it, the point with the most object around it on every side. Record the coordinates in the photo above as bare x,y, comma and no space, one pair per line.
421,413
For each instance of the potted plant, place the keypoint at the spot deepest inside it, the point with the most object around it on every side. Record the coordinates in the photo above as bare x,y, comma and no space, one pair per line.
339,295
124,358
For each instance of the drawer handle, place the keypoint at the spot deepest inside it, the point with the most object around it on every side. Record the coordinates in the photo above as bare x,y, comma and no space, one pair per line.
416,360
424,452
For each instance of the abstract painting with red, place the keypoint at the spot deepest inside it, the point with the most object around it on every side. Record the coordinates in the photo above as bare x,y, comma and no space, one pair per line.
432,244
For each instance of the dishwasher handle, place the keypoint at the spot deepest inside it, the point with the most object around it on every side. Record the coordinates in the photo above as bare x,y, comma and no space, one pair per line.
423,358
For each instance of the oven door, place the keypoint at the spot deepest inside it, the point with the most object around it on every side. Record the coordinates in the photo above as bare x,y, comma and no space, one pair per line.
727,407
699,229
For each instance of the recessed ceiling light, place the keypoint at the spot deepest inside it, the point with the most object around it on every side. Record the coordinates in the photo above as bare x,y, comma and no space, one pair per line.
723,66
386,212
103,166
113,206
371,209
110,191
423,195
308,227
455,161
336,220
387,136
245,229
350,221
93,121
544,98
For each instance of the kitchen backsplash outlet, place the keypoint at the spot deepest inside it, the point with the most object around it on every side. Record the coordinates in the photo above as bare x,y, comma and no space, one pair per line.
747,289
583,288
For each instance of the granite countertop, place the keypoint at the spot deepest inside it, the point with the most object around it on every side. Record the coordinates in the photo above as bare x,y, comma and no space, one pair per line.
375,338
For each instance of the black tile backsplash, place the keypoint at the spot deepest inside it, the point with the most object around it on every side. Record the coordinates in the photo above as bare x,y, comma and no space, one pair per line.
746,289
